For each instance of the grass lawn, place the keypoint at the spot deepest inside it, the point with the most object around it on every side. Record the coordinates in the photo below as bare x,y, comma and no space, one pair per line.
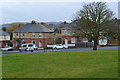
82,64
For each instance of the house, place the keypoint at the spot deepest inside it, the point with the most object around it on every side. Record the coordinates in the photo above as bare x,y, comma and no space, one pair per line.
4,38
68,34
56,28
33,32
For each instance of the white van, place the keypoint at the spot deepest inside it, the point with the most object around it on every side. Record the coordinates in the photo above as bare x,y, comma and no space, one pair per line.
26,47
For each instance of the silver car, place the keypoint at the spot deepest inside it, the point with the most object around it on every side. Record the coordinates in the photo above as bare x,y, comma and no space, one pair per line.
26,47
60,46
7,48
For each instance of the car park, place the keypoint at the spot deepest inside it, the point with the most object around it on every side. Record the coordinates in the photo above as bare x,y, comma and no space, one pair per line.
26,47
7,48
60,46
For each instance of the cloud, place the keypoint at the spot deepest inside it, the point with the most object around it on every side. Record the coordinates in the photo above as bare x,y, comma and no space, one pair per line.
57,0
43,11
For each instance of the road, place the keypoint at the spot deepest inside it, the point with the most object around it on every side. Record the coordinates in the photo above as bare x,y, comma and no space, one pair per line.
62,50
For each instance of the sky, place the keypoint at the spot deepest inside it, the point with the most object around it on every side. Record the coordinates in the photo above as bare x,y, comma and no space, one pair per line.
25,11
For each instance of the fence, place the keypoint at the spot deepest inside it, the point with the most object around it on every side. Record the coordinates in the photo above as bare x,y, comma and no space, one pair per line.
84,44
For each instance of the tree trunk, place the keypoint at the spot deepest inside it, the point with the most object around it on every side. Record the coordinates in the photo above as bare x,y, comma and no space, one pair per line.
95,44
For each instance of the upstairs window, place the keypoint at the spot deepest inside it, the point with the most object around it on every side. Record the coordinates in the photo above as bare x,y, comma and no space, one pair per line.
65,32
73,32
23,34
16,34
73,40
33,34
40,34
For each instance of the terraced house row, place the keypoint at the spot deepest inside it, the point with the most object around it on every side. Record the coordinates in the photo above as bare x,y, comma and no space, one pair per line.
40,35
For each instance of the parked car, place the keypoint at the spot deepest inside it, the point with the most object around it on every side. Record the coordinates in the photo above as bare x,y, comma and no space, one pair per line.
60,46
7,48
26,47
35,47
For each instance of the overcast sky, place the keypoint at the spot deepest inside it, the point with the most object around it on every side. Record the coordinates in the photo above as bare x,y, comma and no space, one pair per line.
43,11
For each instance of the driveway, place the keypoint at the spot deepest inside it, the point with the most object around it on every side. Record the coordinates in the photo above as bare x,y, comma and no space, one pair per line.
62,50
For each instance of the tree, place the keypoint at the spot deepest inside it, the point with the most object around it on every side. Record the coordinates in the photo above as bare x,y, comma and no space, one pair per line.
13,27
93,21
4,28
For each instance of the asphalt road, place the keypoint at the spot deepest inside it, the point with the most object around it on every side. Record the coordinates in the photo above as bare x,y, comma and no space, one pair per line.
62,50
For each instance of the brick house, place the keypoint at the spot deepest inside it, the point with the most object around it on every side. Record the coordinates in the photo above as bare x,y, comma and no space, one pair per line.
33,32
67,33
4,38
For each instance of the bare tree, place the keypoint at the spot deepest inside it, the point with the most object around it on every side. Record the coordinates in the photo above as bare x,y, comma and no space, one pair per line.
93,21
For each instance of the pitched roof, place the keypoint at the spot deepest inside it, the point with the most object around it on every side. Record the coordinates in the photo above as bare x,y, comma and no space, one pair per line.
67,26
33,27
3,33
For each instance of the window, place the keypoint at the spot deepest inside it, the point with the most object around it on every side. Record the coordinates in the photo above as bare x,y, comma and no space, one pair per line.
33,34
16,34
73,32
47,35
40,34
65,32
85,40
73,40
23,34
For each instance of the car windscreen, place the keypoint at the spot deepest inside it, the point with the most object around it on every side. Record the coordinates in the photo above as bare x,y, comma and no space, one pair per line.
24,45
30,45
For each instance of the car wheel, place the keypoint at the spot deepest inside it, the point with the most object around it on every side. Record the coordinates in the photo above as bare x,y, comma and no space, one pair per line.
31,50
64,48
26,50
20,50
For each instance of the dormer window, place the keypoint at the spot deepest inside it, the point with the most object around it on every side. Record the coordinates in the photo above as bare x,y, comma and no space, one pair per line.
33,34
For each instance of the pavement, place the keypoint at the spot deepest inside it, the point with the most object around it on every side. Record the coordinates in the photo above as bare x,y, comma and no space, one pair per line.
61,50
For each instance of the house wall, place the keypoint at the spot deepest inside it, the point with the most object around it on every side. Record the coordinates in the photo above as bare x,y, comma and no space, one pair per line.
66,32
3,40
69,39
4,37
29,35
4,43
45,39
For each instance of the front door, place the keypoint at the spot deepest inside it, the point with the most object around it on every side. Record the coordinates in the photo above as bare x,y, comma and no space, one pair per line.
34,42
40,44
66,41
17,43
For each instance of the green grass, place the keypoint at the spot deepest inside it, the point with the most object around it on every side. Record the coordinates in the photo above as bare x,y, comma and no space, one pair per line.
82,64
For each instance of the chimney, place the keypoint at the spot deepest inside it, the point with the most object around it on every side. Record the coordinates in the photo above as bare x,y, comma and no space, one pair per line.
65,22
